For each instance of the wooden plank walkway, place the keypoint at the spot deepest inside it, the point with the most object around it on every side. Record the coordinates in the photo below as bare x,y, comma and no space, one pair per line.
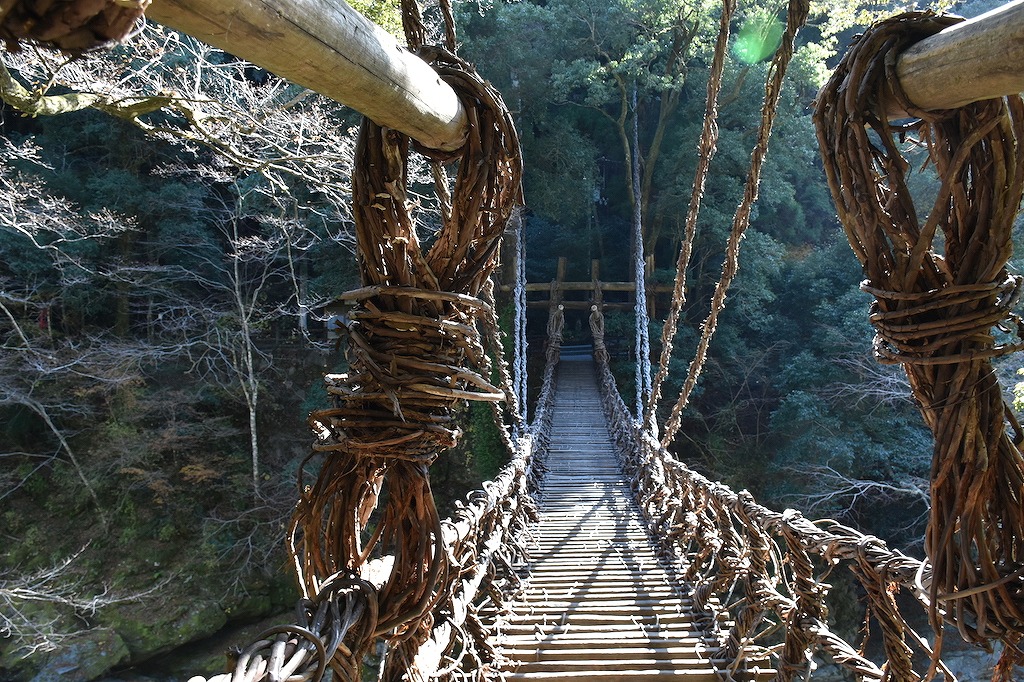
598,604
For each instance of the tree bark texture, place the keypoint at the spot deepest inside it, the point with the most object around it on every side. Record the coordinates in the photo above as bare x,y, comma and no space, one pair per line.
976,60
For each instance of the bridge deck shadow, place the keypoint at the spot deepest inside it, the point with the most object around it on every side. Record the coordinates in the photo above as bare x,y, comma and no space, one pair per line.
598,604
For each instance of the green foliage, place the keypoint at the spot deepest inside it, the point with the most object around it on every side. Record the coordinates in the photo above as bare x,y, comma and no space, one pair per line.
789,394
489,452
1018,393
758,37
477,457
385,13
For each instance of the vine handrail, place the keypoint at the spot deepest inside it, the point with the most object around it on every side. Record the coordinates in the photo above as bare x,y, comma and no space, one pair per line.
483,543
763,571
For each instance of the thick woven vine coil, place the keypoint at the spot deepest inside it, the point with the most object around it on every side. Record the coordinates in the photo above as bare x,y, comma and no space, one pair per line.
73,26
414,353
940,286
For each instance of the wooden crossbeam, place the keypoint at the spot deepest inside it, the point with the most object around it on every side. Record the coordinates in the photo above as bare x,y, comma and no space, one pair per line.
597,285
978,59
327,46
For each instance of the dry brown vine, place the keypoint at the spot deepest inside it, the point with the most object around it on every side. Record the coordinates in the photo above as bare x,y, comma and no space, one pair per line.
940,285
414,353
762,577
73,26
796,16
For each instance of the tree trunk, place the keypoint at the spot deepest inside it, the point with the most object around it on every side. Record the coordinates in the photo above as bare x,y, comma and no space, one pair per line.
978,59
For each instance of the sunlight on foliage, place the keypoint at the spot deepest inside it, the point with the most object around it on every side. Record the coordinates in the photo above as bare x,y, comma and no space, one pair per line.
1018,393
384,13
758,38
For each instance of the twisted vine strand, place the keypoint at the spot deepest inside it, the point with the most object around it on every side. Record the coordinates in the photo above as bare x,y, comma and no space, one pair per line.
940,285
706,149
485,543
415,352
796,17
763,571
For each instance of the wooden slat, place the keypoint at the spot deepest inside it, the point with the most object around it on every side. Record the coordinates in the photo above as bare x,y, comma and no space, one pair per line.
597,604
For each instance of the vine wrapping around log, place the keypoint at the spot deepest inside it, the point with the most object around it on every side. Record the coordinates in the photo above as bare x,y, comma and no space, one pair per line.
415,353
940,286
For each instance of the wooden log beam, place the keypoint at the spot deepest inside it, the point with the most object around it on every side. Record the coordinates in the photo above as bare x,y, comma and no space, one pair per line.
603,286
579,305
978,59
327,46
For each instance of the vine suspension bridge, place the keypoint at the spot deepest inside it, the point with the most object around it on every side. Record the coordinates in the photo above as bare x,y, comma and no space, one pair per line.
597,602
595,554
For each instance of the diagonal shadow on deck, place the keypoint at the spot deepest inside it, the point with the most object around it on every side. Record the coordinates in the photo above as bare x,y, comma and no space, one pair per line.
597,603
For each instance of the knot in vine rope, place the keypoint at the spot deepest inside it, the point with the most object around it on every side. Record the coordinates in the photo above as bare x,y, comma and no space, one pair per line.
940,286
937,327
415,355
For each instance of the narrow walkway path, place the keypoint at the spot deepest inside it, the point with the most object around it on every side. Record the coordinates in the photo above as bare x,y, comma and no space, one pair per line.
598,605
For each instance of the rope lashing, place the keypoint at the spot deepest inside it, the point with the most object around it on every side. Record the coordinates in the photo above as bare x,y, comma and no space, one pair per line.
929,331
406,417
556,325
514,422
72,26
306,649
597,333
940,285
415,354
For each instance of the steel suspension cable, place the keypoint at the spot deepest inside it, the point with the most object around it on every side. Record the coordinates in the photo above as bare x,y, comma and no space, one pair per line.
519,372
643,322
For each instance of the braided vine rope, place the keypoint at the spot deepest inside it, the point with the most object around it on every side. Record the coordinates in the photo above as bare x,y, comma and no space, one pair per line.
415,353
486,540
940,286
765,573
485,545
73,26
796,17
706,148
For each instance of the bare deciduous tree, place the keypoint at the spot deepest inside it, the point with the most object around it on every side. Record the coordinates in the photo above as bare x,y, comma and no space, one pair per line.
56,586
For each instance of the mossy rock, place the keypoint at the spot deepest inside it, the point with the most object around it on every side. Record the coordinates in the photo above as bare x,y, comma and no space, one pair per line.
150,630
254,604
21,657
284,592
84,656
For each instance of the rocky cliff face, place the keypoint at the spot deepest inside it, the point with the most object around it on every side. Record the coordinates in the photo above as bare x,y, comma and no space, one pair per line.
179,549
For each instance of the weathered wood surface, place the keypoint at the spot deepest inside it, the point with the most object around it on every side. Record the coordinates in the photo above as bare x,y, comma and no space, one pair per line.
327,46
598,603
978,59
